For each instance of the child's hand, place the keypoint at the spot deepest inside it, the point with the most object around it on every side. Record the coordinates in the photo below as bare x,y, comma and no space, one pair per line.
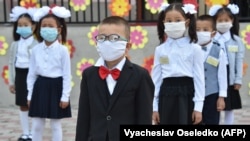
155,118
12,89
28,103
237,86
63,104
220,104
196,117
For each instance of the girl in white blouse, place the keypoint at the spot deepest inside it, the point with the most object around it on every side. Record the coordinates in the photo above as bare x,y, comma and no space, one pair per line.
49,77
19,59
227,25
178,71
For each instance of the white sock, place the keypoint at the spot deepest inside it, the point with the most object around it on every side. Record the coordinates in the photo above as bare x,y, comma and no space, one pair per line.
24,119
229,117
38,125
56,128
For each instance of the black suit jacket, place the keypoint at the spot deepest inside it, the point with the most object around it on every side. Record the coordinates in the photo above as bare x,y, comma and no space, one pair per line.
100,114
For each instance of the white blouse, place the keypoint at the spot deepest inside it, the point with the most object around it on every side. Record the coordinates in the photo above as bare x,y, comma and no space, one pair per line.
178,58
22,55
50,61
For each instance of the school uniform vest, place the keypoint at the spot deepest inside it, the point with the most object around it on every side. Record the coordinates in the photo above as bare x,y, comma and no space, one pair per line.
211,72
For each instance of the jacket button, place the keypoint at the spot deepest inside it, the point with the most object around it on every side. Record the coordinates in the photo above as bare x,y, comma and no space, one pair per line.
108,117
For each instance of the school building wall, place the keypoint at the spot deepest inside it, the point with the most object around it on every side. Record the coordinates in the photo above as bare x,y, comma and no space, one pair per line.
80,43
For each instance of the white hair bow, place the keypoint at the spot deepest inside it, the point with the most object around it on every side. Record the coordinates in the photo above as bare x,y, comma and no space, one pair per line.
60,12
189,8
163,6
214,9
17,11
233,8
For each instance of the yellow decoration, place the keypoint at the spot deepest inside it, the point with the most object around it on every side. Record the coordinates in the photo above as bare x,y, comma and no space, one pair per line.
216,2
3,45
246,36
79,4
119,7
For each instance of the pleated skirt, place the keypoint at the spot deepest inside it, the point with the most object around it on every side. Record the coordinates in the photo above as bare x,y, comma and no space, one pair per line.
46,98
176,101
21,86
233,99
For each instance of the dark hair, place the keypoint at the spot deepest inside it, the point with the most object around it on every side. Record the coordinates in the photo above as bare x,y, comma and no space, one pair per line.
118,21
235,28
178,7
60,24
17,36
209,18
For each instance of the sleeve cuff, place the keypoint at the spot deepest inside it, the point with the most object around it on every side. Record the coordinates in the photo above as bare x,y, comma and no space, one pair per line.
198,106
223,94
64,98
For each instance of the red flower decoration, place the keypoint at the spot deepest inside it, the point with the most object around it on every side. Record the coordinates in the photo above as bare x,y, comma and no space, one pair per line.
5,74
148,63
194,2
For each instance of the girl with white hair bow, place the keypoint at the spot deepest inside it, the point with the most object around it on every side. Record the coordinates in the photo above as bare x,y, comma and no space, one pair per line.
20,51
49,77
227,24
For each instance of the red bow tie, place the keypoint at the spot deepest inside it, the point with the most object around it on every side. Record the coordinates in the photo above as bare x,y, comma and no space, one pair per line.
103,72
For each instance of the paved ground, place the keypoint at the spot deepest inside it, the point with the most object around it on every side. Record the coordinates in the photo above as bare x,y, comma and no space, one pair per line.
10,127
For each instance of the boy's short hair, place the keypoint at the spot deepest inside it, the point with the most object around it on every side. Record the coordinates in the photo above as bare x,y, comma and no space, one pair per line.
208,18
118,21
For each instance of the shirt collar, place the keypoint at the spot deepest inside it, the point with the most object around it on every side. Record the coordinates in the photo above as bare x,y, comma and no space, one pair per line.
225,36
27,40
50,46
179,41
119,66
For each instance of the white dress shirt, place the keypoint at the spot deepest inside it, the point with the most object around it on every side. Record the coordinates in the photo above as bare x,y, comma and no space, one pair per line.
50,61
222,38
222,70
22,55
179,58
110,81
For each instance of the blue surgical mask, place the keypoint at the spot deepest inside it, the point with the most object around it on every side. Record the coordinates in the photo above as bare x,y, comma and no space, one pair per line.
24,31
49,34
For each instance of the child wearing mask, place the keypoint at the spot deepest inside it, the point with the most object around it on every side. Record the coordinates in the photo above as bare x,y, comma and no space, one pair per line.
114,91
227,25
49,76
19,58
215,70
178,70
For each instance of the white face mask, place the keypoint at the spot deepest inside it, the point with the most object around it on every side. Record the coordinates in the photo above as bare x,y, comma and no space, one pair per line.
111,51
224,26
203,37
175,29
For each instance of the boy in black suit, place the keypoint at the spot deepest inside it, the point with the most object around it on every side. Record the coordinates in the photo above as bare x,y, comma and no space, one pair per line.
114,91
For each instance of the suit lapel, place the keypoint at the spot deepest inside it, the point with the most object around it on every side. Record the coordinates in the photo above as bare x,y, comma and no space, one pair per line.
121,82
103,89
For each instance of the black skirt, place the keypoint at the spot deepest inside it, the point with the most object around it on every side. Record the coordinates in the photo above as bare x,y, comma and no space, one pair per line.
176,100
233,99
46,98
21,86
